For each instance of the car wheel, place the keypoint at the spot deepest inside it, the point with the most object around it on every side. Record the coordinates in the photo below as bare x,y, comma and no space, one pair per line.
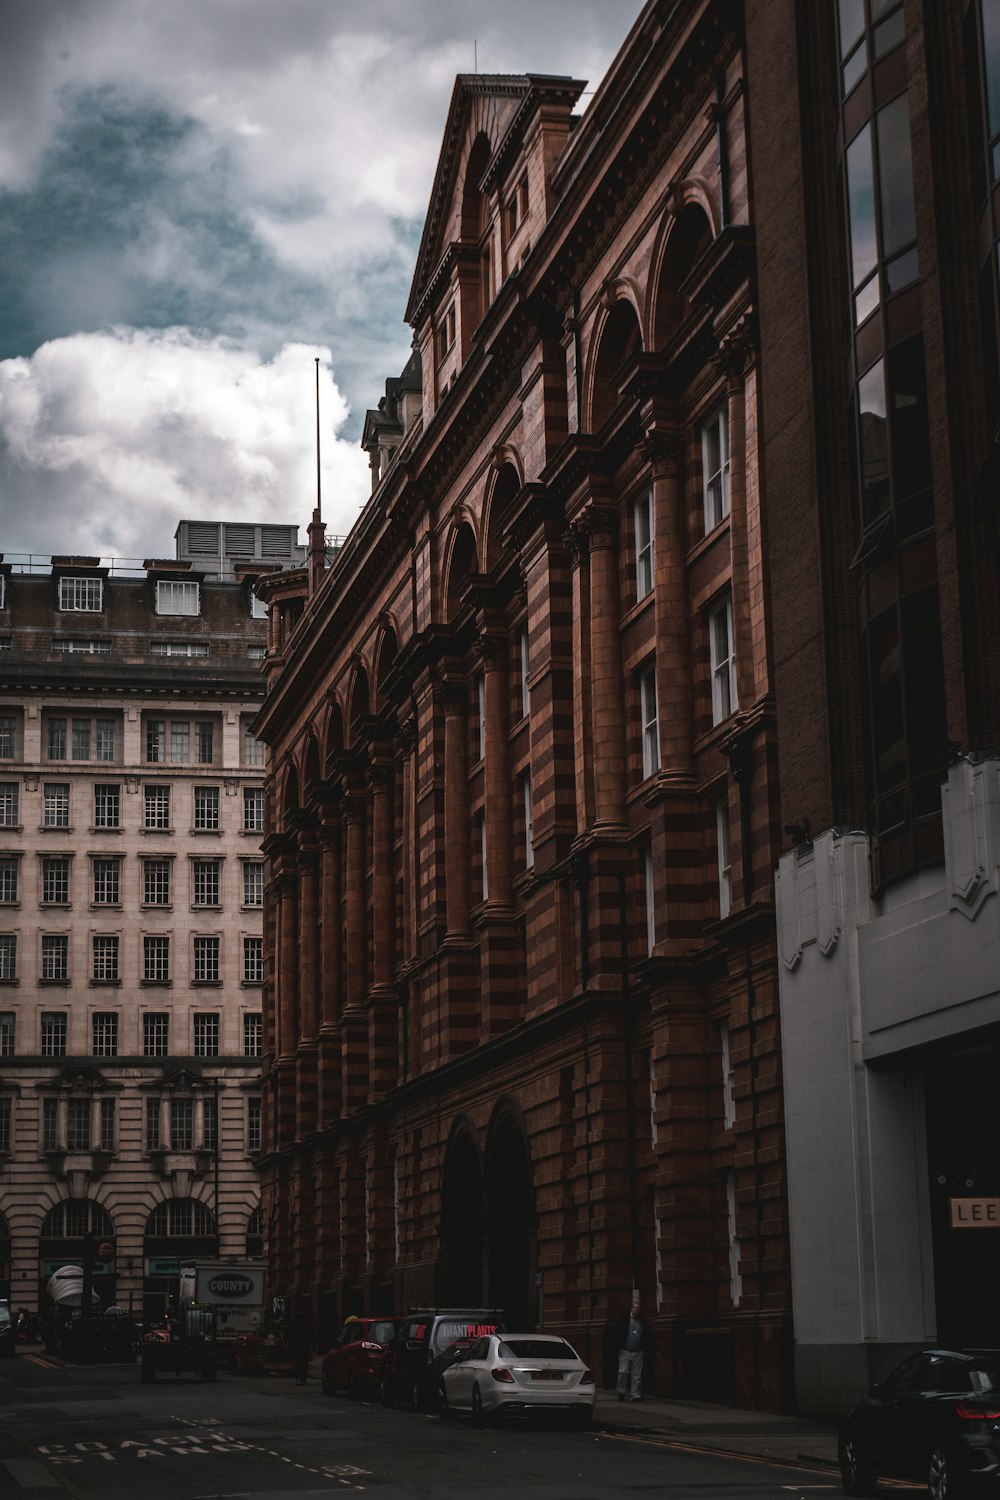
944,1480
855,1475
444,1406
477,1408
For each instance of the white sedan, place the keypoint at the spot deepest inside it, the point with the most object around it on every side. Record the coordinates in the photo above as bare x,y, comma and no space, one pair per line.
518,1374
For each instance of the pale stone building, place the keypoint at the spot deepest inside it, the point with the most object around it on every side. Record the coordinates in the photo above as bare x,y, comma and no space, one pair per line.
131,898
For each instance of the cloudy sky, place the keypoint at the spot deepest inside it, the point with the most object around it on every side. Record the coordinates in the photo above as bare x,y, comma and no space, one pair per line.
197,198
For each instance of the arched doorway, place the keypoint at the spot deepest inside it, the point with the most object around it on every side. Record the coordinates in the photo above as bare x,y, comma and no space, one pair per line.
510,1221
61,1243
461,1264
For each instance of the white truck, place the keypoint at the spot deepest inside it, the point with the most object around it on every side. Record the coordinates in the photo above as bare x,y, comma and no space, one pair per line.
234,1290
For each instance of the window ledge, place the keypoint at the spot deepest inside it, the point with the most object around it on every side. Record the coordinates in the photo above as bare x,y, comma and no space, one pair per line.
164,832
154,984
105,906
253,833
55,905
251,984
10,981
54,827
206,905
156,906
105,984
203,832
215,984
45,983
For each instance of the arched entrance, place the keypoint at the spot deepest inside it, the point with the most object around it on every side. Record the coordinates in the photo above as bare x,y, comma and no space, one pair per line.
178,1229
461,1265
510,1220
61,1243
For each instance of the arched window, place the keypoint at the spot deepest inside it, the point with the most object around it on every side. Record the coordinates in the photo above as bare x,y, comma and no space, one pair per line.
620,339
463,563
181,1216
690,236
75,1217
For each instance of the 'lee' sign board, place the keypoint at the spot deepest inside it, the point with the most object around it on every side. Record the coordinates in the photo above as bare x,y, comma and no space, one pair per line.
975,1213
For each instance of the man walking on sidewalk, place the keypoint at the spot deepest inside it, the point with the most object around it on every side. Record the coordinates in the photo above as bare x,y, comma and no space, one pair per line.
631,1334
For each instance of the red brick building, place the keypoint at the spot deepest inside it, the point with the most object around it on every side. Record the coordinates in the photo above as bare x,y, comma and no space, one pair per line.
522,1035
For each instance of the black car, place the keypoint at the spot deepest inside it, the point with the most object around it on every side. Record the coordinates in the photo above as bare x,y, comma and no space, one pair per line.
7,1331
423,1345
936,1418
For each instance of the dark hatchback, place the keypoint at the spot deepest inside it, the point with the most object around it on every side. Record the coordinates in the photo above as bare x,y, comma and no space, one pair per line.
423,1346
936,1418
354,1362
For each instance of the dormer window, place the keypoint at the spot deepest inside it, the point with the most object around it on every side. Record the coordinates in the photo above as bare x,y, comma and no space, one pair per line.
85,595
173,598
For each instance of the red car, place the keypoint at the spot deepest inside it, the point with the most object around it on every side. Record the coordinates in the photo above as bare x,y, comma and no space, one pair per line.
355,1361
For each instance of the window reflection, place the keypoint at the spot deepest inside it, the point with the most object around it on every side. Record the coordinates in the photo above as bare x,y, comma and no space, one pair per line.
861,206
895,175
873,444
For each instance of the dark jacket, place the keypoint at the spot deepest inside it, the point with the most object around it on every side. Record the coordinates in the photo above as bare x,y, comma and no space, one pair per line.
619,1332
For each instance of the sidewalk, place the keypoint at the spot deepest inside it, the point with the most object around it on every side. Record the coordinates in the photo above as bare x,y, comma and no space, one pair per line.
721,1428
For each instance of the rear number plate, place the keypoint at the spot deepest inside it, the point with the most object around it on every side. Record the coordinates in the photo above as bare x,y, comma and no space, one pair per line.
546,1375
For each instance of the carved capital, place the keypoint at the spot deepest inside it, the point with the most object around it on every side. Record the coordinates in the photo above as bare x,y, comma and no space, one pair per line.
492,650
450,697
663,450
738,350
406,735
596,528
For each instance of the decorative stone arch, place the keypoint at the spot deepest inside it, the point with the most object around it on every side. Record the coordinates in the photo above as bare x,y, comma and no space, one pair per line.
460,1263
333,730
386,651
312,760
359,697
475,204
461,560
61,1238
617,335
288,794
505,479
511,1216
689,225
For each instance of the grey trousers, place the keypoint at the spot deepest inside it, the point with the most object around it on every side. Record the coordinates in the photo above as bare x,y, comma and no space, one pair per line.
630,1364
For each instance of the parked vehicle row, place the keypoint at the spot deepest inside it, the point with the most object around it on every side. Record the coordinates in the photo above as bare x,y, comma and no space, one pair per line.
457,1360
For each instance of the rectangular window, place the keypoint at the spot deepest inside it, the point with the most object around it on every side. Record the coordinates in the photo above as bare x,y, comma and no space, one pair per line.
206,808
156,960
56,739
253,883
53,1038
724,857
182,1124
104,1032
210,1126
180,743
107,806
7,1024
735,1279
256,653
107,1125
253,1126
206,881
153,1125
642,513
177,598
481,715
650,721
482,850
258,608
55,880
8,735
72,645
10,803
204,744
55,804
55,957
8,957
253,1034
649,893
728,1091
156,882
206,960
105,746
178,648
253,809
156,807
105,970
253,960
81,594
81,739
206,1033
253,748
107,882
50,1124
155,1034
156,740
523,644
78,1124
529,823
8,880
715,468
5,1125
720,632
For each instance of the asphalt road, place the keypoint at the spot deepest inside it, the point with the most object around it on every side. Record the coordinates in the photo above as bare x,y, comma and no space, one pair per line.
99,1434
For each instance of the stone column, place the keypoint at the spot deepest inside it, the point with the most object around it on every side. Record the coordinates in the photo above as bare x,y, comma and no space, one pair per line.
407,741
665,448
308,939
331,987
499,813
354,1020
288,962
456,811
580,614
381,777
606,696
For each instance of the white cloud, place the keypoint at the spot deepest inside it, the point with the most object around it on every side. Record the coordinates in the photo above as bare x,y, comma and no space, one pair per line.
107,440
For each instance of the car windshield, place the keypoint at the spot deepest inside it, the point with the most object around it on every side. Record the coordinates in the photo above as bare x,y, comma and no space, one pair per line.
985,1377
4,1316
381,1333
535,1349
450,1330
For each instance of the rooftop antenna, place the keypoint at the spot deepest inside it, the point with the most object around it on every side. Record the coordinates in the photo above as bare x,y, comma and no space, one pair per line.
318,515
475,55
